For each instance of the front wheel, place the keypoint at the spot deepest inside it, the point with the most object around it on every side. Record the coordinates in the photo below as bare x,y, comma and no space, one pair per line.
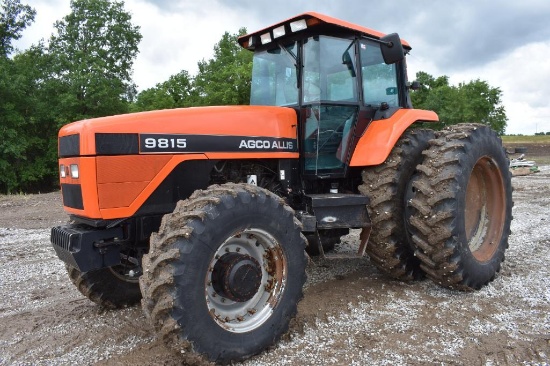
113,287
463,205
224,274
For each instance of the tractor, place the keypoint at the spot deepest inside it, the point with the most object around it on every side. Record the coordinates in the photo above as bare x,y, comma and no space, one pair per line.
207,215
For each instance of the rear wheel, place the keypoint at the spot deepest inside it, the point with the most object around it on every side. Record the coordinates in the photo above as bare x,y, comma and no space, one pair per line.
389,188
224,275
464,207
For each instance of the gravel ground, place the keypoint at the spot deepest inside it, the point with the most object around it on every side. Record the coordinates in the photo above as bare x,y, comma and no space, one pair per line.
351,314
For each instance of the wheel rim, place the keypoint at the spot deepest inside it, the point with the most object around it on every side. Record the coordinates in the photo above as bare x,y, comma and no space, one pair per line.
484,210
245,281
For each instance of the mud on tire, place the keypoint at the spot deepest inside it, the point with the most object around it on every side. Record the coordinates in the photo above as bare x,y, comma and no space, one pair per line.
191,292
388,186
107,287
464,207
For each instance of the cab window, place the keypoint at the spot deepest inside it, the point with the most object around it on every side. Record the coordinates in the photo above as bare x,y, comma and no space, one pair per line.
329,70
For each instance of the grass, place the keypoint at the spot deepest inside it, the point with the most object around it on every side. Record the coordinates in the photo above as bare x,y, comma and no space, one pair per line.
539,139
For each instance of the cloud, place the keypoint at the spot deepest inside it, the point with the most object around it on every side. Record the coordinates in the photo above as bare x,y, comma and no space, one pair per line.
519,74
176,35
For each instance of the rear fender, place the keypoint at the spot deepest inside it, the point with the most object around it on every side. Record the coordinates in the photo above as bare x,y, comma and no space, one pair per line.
380,137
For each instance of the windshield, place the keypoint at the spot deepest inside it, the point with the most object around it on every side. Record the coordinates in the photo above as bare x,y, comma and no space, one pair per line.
274,80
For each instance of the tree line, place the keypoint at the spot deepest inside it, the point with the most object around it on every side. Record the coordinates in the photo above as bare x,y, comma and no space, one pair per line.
84,70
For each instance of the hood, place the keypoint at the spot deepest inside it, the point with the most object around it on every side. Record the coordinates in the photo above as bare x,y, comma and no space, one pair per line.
80,138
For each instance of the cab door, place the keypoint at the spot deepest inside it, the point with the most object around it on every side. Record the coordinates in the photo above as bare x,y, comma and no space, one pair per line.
329,104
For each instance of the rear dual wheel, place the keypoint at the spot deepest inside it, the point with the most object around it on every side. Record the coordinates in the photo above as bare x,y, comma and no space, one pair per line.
463,207
389,188
224,274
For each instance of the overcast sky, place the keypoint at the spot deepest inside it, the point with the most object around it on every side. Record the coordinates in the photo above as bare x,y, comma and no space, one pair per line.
505,42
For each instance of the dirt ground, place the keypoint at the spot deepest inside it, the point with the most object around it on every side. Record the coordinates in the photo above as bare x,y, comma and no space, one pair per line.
351,314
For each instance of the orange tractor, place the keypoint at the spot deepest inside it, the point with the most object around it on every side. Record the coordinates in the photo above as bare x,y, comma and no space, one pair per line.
205,214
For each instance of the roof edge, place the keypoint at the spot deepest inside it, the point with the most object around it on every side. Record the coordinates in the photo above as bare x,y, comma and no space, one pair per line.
325,19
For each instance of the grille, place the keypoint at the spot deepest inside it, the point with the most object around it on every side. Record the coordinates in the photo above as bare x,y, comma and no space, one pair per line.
61,240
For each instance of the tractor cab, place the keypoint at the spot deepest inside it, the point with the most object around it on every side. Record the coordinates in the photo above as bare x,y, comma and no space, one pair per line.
337,76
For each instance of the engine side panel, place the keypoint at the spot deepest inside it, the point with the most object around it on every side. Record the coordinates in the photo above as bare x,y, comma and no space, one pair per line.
123,160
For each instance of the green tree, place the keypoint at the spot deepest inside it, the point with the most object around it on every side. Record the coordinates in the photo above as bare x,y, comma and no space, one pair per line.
17,103
14,18
225,79
174,93
94,50
28,147
84,71
475,101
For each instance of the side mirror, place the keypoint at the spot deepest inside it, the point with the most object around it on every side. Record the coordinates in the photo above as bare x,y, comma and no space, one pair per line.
392,49
415,85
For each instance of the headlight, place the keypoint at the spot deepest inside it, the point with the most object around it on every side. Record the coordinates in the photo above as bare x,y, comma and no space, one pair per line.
298,25
266,38
279,32
74,171
62,172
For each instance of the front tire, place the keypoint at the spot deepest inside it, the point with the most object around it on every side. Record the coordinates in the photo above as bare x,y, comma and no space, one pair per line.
464,207
224,274
110,287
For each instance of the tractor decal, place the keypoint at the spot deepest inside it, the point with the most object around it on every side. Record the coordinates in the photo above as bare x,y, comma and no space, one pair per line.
184,143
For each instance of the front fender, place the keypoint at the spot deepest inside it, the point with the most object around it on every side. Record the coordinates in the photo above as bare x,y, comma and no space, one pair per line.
380,137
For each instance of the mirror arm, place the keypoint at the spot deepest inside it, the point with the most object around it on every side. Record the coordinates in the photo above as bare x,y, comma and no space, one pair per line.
389,44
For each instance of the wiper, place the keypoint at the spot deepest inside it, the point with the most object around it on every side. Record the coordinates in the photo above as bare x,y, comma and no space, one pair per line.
347,59
289,53
294,59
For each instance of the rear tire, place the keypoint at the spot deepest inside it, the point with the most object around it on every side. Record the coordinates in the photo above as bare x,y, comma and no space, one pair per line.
464,207
224,274
107,287
388,186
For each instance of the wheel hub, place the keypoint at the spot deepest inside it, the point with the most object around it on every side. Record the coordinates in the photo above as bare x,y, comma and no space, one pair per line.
237,277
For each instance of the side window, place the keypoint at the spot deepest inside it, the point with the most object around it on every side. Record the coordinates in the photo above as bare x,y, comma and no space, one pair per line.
329,70
379,79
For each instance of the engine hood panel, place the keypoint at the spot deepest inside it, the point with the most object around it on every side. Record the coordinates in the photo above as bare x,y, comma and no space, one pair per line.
186,130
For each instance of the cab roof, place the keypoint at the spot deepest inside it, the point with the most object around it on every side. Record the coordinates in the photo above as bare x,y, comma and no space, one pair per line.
315,21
